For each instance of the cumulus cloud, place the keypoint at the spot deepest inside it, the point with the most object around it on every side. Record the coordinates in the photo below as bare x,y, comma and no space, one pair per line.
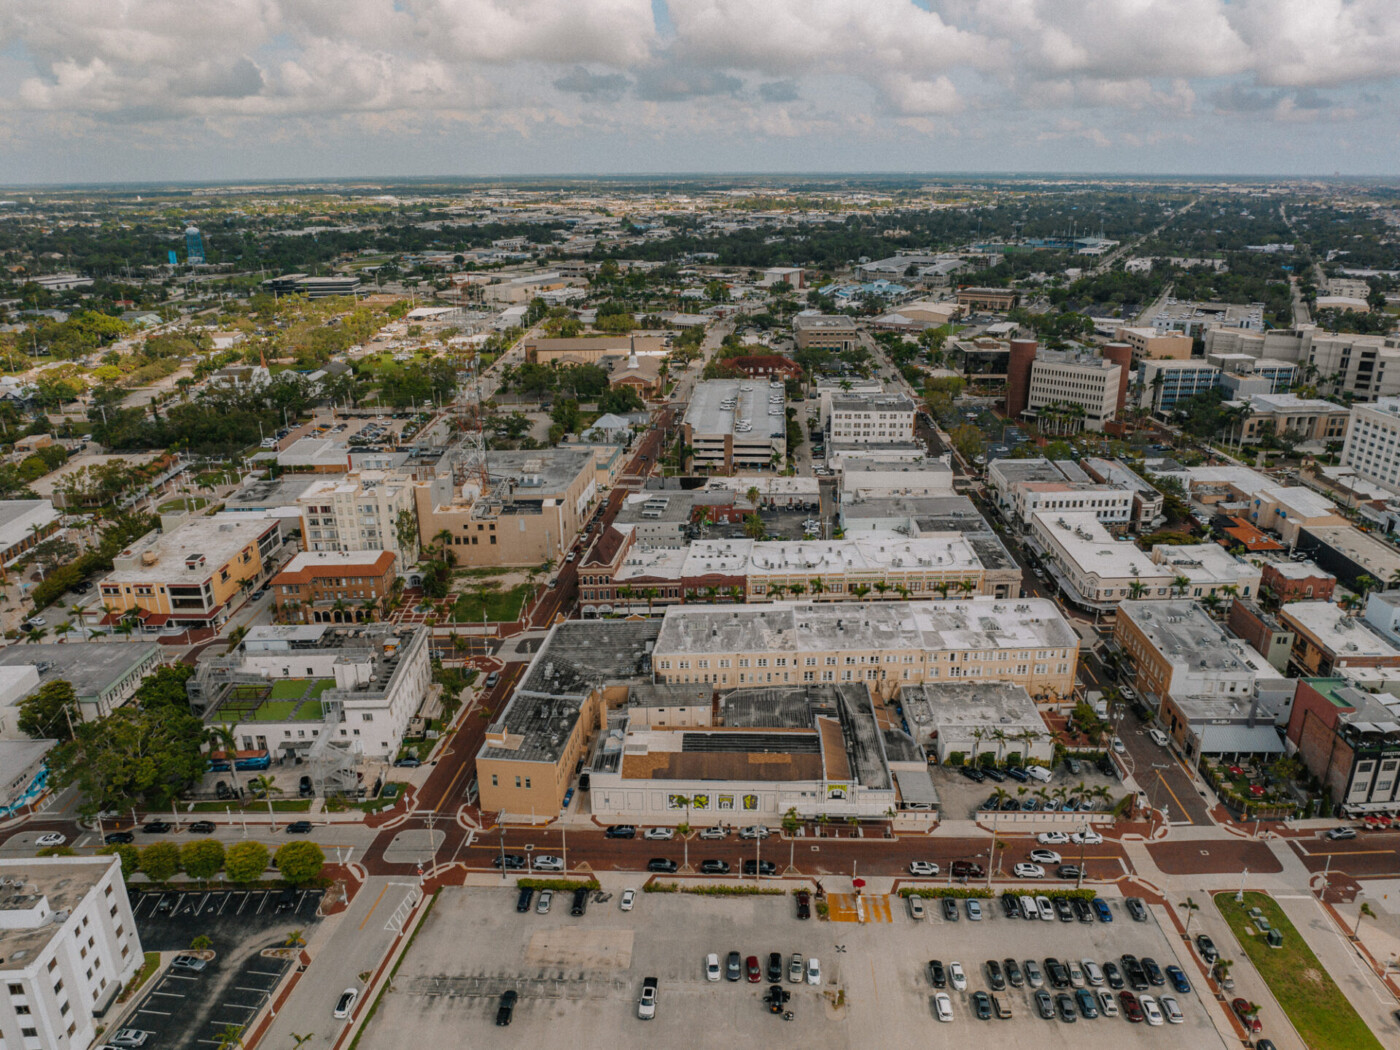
593,87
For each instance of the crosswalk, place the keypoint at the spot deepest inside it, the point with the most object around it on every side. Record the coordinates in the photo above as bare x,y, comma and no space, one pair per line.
844,907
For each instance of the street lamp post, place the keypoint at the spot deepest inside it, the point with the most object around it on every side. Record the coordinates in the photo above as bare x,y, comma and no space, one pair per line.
1083,842
1239,897
503,852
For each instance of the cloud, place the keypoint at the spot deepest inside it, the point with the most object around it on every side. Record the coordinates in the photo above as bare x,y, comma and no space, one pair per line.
779,91
681,83
593,87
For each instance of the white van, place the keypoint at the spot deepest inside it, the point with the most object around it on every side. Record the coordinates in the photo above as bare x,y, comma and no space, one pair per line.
1028,908
1039,773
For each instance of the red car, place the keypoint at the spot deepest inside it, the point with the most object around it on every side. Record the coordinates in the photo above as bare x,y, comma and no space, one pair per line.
1132,1009
751,967
1248,1016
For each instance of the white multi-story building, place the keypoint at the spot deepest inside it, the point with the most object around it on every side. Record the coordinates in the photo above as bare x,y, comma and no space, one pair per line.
1069,379
1373,443
1210,568
1022,488
1096,570
1164,383
68,943
871,419
358,512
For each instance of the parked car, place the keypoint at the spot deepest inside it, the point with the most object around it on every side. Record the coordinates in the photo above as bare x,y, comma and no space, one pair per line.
646,1005
712,970
1067,871
1150,1010
345,1003
620,831
1101,910
1045,908
1087,1003
1206,947
505,1011
1341,833
711,866
1108,1005
629,898
1034,976
943,1006
1132,1010
1052,838
937,975
1010,905
579,905
1017,773
510,861
950,909
1064,1006
1136,909
1158,737
966,869
202,827
662,865
714,833
303,827
915,904
1113,976
814,971
1245,1012
775,967
733,969
53,838
545,862
761,867
982,1005
995,977
1092,973
492,679
524,899
659,834
1014,977
155,827
754,831
796,968
1172,1009
1044,856
957,977
188,963
923,868
1087,837
1178,979
973,773
1153,971
546,899
1028,871
974,909
118,838
804,904
1044,1004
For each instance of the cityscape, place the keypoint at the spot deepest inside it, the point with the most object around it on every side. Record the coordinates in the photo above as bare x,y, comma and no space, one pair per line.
606,592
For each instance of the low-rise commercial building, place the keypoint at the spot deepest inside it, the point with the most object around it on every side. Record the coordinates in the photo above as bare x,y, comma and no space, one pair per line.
24,524
1348,553
870,419
1262,630
1349,740
1192,318
992,300
334,587
190,575
104,675
589,350
1210,571
835,332
363,511
1297,581
68,943
1327,639
1299,418
1152,344
1095,569
977,718
1023,488
1148,500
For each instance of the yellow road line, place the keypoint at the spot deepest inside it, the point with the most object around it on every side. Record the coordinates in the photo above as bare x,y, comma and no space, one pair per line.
1349,852
383,890
1172,793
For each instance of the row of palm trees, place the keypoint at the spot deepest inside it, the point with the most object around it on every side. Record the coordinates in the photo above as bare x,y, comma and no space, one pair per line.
797,589
1059,796
1001,738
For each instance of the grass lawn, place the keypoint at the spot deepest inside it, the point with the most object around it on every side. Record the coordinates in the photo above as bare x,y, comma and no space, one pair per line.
1310,998
253,806
485,570
500,606
275,710
194,503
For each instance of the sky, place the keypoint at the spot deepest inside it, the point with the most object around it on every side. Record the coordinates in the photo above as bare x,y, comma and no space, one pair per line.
227,90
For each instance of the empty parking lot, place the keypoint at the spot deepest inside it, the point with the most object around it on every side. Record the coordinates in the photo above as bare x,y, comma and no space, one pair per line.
583,976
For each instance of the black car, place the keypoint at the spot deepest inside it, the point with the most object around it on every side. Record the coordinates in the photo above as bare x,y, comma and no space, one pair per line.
1153,971
714,867
982,1005
1135,974
1065,1005
202,827
950,909
937,975
1063,910
303,827
1010,906
580,902
662,865
775,967
966,869
762,867
973,773
1113,976
1082,909
510,862
804,904
1013,973
1138,911
506,1010
1017,773
620,831
1044,1004
118,838
287,900
524,900
1067,871
1057,973
994,774
1207,948
995,977
155,827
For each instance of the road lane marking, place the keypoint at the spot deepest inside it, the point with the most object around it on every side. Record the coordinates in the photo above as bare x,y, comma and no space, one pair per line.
383,890
1179,806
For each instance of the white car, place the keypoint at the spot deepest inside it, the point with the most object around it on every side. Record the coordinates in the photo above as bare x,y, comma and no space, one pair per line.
344,1003
53,838
1044,856
712,967
754,831
1092,973
957,977
629,898
646,1006
1088,837
1046,909
814,971
659,834
943,1006
1118,746
714,833
1108,1005
545,862
1028,871
1052,838
1171,1009
923,867
1151,1012
1158,737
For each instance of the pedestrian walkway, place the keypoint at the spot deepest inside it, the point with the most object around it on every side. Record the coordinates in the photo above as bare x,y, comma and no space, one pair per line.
843,907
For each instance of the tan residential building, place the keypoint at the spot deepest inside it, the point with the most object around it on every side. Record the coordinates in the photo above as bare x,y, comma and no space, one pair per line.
1300,418
993,300
590,350
1072,391
1148,343
834,332
334,586
367,510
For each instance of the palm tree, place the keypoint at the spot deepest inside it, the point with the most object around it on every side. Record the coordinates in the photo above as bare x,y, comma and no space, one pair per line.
444,539
818,587
1137,588
1181,584
797,589
967,586
1365,912
1190,907
752,494
651,594
901,590
1028,737
942,587
977,736
999,735
775,590
860,590
1212,602
625,592
882,587
1365,584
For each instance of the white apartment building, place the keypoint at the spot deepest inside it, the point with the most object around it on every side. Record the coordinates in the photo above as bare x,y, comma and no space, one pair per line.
871,419
1373,443
1023,488
68,943
1366,366
358,512
1065,378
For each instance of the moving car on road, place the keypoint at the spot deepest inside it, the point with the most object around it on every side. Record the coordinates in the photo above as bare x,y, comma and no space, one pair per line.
345,1003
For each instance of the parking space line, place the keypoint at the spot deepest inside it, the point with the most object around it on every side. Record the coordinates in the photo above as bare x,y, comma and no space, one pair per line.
172,995
261,903
266,973
158,1013
224,905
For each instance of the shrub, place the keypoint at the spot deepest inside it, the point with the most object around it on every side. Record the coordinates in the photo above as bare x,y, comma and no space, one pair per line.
160,861
563,885
960,892
203,858
299,862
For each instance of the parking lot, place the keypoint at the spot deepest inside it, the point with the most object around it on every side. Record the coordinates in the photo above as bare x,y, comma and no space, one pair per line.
583,976
960,798
190,1010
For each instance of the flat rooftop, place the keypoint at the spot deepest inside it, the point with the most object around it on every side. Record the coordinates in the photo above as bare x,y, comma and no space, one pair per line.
1203,561
858,402
164,555
1115,472
1379,559
973,624
1346,636
90,667
1084,541
997,705
540,471
1183,633
743,407
1299,570
315,452
823,323
59,883
1022,471
270,493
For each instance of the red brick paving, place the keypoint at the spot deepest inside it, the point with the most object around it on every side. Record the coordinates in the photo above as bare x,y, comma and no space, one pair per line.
1214,856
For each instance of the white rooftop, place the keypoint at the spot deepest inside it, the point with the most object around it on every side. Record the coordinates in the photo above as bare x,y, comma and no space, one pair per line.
1204,563
1348,637
1084,540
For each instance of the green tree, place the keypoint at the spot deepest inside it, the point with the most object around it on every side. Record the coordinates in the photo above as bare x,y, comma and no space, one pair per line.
245,862
134,755
49,713
299,862
202,859
129,854
969,441
160,861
